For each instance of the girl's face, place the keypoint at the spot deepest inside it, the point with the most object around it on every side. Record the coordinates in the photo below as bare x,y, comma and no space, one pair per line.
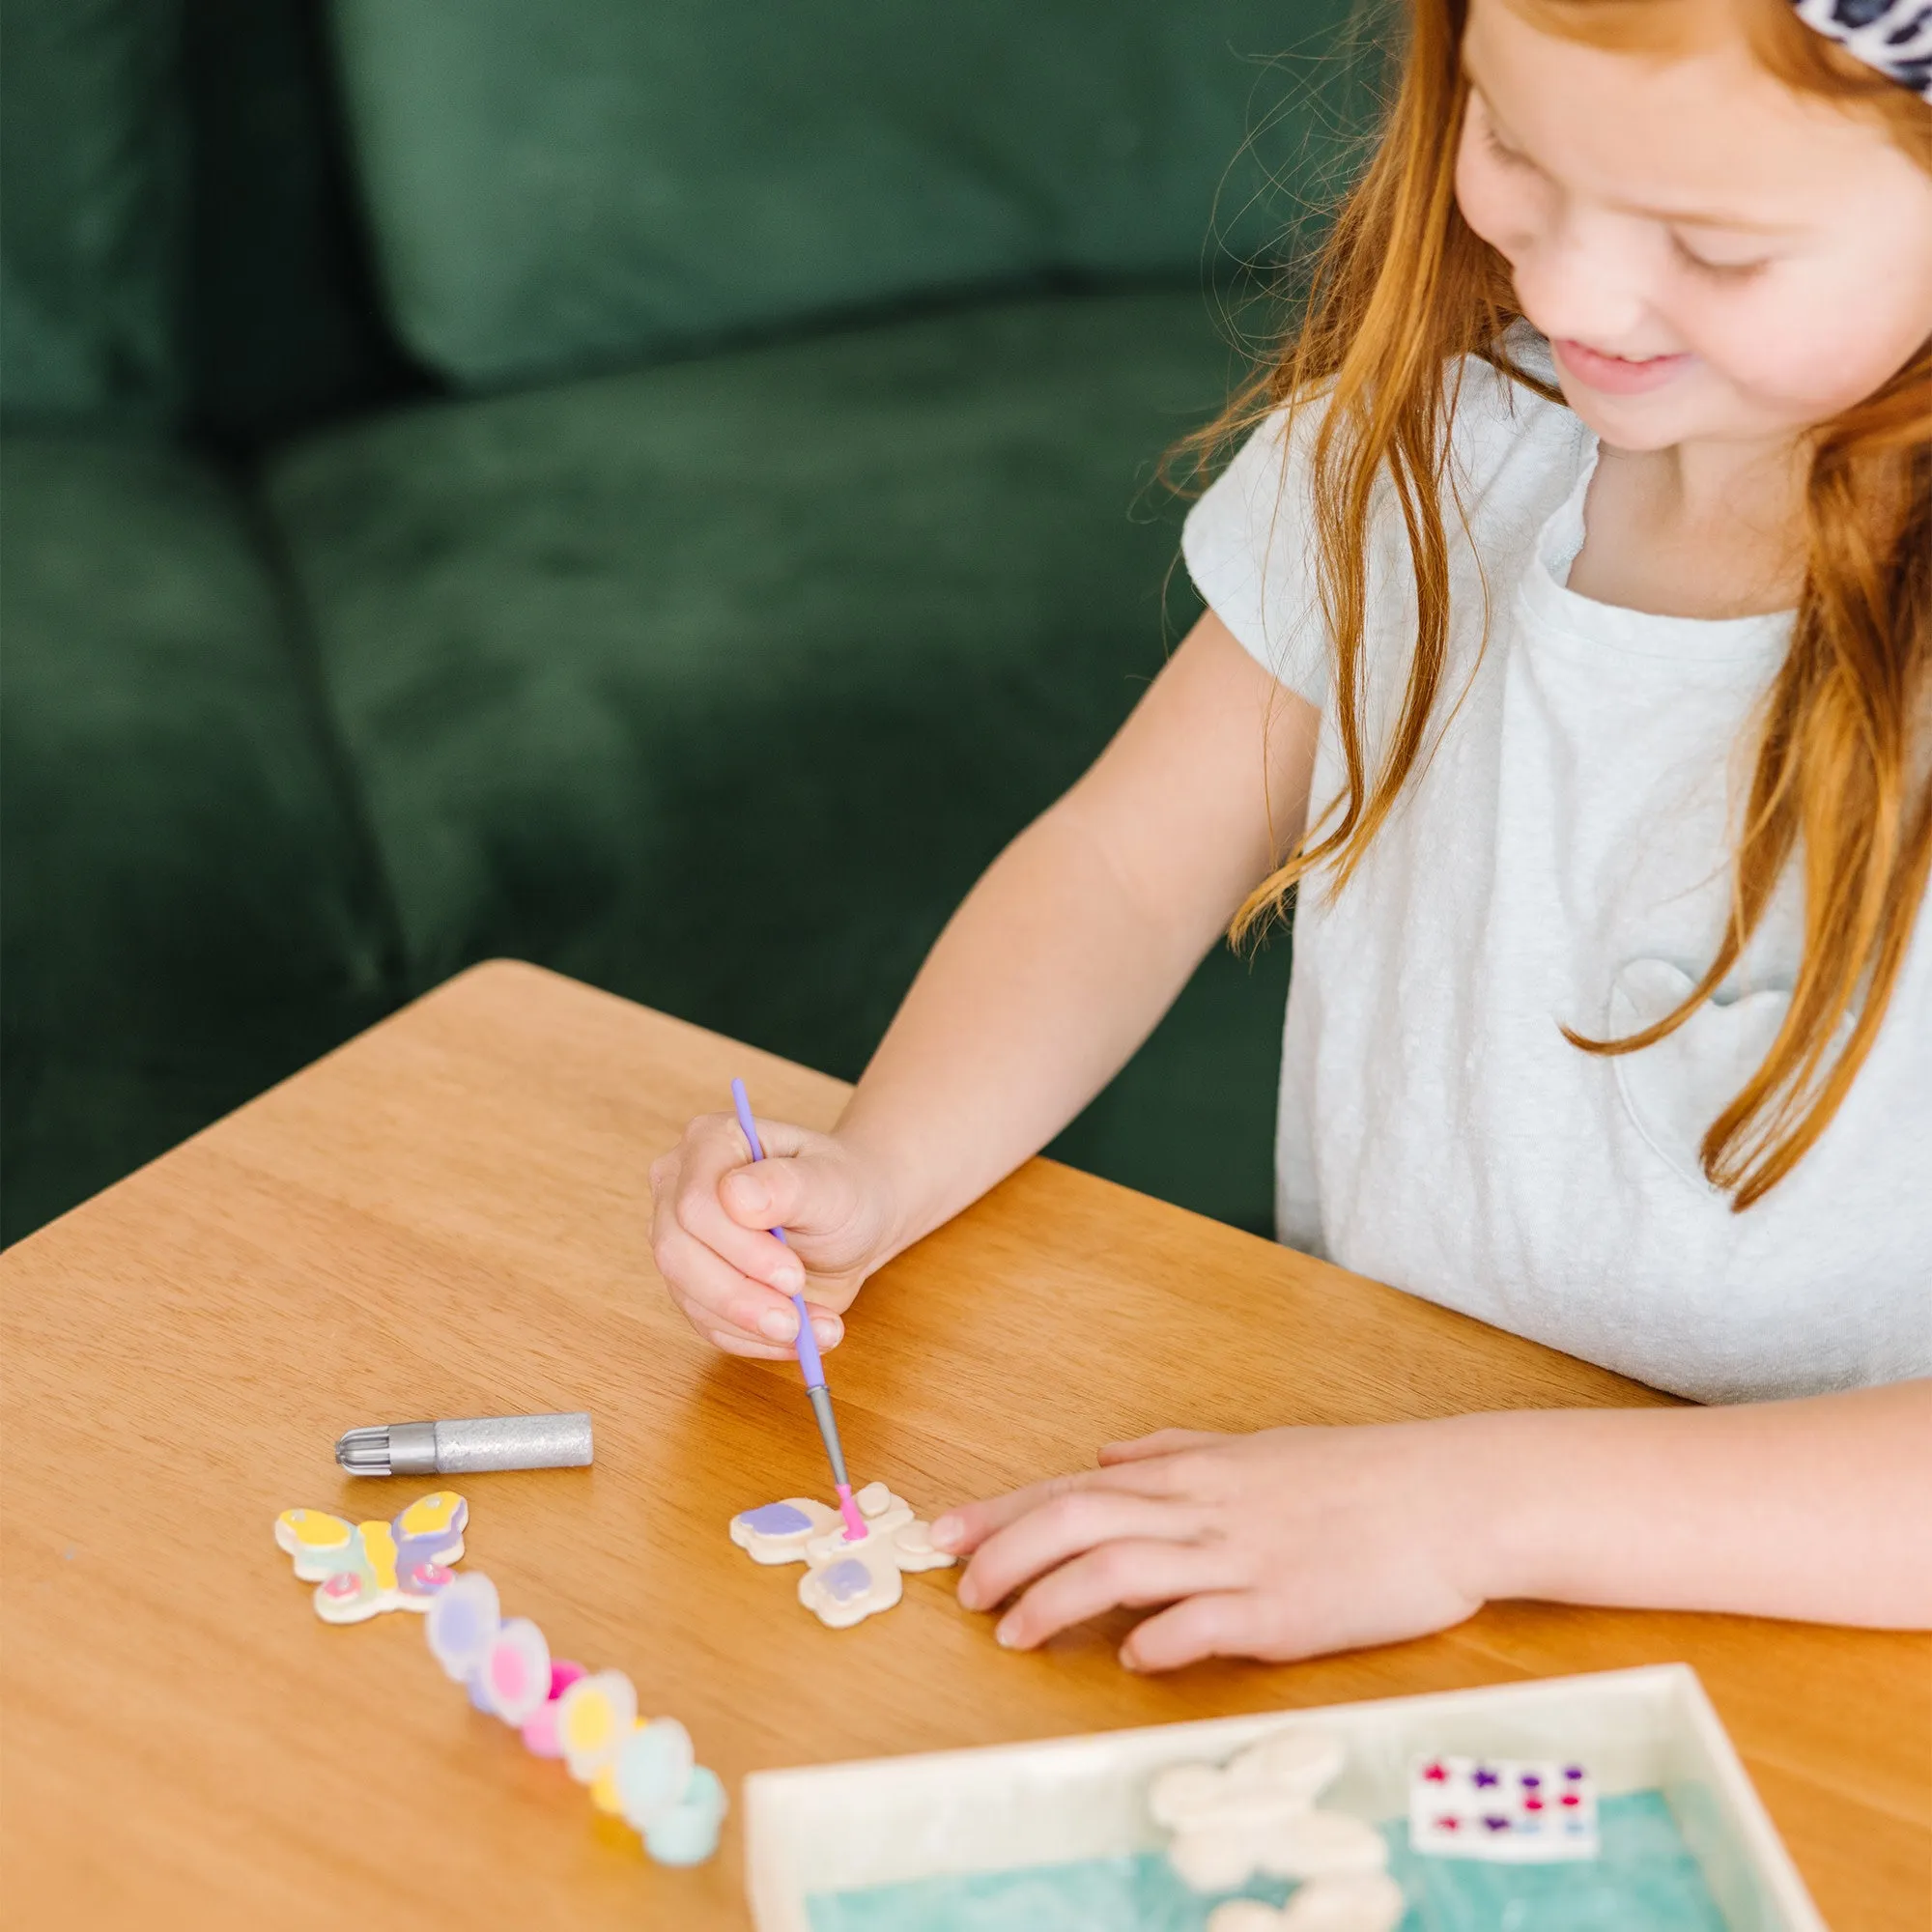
1713,256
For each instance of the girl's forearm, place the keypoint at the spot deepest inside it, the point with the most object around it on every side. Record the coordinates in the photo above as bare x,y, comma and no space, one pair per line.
1043,984
1814,1509
1074,943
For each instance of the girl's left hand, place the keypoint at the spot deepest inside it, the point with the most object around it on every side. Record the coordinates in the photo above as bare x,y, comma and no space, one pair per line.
1278,1544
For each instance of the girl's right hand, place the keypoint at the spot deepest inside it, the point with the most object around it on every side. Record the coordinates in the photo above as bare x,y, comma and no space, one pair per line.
732,1278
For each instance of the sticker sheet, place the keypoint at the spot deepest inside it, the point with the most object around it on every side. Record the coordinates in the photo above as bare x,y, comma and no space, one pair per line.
1517,1810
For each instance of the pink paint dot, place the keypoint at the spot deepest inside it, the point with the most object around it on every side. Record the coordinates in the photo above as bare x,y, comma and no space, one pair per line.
506,1672
342,1585
562,1675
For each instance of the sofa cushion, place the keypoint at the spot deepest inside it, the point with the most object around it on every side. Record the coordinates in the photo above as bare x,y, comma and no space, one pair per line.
599,181
284,327
92,217
717,685
189,911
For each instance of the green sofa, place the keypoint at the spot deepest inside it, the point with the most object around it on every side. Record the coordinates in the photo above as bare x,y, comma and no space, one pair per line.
662,488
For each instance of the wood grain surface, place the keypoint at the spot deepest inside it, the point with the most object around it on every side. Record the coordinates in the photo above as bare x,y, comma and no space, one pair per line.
448,1217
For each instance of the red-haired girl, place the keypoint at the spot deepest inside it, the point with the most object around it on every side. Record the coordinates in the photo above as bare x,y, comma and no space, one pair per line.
1568,645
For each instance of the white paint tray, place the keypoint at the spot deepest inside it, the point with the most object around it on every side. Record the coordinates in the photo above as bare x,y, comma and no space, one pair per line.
839,1827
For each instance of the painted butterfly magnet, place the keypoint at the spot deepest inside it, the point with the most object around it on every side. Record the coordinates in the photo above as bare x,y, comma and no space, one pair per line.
362,1568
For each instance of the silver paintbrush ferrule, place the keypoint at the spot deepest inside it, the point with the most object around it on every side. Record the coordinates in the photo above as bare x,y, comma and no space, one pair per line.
822,1408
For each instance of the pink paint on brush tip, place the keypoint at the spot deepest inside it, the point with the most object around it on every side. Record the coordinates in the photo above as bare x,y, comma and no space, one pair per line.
855,1523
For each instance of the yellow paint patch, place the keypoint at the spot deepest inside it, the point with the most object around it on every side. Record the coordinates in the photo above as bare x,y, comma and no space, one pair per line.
380,1547
317,1529
429,1514
587,1723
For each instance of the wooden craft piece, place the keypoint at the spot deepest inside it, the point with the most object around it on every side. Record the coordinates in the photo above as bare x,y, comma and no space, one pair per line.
777,1532
656,1785
514,1680
1280,1775
603,1786
653,1770
1257,1814
686,1833
1365,1902
364,1568
593,1718
644,1772
463,1624
845,1581
540,1730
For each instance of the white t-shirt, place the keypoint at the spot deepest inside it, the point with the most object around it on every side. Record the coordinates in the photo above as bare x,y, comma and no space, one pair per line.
1564,857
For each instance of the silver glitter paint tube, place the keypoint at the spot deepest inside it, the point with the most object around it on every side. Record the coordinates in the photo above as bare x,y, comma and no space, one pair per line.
465,1448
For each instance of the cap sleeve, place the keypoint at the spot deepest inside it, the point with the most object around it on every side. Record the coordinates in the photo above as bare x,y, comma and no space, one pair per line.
1249,547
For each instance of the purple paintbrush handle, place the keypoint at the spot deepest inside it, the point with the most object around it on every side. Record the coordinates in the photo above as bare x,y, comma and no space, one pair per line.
805,1342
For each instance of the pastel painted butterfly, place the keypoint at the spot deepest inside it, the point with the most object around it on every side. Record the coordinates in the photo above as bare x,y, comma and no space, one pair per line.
362,1568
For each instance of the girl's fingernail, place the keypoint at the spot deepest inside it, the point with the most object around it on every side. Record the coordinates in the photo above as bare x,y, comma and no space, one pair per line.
780,1324
828,1333
946,1532
789,1277
1006,1635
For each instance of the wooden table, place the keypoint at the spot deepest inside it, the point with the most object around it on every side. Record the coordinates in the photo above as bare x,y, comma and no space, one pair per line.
448,1217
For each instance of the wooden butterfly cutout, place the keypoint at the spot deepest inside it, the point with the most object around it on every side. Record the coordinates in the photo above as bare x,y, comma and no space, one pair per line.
362,1568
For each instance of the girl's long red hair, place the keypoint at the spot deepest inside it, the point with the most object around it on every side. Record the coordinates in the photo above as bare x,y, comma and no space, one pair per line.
1403,289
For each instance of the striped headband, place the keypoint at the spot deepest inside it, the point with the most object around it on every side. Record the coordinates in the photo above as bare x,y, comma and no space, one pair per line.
1893,36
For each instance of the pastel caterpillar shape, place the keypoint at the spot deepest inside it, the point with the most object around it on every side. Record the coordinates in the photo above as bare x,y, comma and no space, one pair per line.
643,1773
844,1582
364,1568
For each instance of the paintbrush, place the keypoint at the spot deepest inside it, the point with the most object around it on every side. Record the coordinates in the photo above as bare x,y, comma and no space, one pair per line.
807,1345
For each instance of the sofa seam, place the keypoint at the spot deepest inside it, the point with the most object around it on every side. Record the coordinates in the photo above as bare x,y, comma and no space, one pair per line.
245,481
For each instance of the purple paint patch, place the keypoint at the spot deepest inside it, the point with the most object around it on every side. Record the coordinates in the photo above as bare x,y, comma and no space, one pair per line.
847,1579
459,1626
776,1520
